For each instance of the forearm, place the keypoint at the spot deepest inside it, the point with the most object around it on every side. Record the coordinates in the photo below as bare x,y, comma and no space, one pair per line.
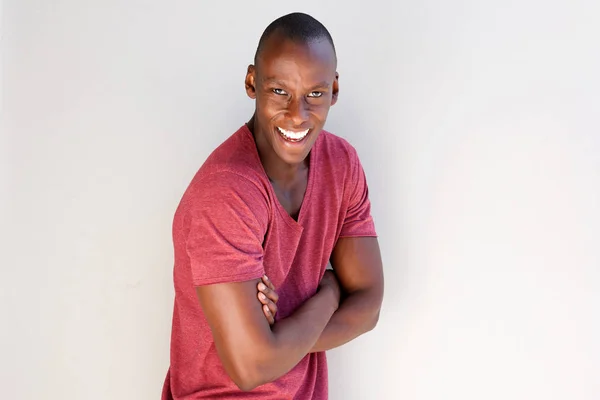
357,314
294,336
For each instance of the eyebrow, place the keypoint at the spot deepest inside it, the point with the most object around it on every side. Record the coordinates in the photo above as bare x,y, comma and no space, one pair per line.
323,84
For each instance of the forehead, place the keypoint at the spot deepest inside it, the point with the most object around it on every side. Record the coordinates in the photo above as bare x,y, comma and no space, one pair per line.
282,58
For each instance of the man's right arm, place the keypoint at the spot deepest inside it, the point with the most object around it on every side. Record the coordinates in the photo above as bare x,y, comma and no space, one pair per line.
252,352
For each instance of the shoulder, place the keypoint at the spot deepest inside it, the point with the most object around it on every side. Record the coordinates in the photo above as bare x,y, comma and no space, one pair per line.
337,148
237,155
337,153
232,173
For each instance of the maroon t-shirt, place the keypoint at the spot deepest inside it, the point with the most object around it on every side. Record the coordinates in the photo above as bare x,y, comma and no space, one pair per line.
230,227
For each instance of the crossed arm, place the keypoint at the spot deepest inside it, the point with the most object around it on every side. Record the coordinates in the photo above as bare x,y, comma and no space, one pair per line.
254,353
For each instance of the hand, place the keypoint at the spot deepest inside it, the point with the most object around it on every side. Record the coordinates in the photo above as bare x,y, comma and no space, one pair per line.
268,297
330,281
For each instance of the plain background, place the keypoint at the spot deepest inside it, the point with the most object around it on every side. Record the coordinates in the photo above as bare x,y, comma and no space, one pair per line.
478,126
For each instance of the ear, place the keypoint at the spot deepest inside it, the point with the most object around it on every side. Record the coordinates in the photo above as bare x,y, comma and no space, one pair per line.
251,82
336,89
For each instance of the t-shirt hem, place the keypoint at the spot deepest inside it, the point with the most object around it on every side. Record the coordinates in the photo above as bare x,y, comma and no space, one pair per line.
357,235
229,279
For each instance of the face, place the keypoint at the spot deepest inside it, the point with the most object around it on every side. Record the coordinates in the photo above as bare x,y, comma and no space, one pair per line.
294,85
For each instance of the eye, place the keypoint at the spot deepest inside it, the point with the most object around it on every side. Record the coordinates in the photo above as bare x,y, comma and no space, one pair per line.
279,92
315,94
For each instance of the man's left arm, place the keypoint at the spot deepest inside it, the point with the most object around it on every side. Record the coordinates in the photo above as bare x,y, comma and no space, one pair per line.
358,267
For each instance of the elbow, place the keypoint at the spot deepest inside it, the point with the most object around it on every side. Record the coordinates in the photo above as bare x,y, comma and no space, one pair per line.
373,321
247,372
370,316
363,311
364,322
246,378
245,385
245,375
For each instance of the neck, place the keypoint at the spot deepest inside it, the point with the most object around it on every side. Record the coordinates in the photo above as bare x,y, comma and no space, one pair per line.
277,170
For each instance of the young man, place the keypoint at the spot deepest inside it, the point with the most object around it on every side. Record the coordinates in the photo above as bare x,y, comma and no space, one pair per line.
279,198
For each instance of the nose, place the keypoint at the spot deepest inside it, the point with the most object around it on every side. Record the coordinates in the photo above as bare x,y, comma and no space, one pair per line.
297,111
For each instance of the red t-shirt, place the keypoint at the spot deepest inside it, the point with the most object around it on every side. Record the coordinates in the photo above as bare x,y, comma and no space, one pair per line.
230,227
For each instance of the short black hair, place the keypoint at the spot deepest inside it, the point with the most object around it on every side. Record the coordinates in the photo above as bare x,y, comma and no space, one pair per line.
298,27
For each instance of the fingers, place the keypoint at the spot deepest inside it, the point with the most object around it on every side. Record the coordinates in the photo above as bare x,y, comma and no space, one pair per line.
269,308
268,315
268,302
268,297
270,293
268,282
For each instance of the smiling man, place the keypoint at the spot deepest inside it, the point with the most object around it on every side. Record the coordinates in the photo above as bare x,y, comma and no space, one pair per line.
279,198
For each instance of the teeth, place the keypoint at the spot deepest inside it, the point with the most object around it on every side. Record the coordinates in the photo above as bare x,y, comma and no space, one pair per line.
293,135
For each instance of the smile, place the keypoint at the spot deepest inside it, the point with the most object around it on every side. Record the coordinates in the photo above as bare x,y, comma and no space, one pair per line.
293,136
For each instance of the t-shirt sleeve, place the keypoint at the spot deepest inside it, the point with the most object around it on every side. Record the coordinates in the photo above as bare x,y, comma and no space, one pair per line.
358,220
227,222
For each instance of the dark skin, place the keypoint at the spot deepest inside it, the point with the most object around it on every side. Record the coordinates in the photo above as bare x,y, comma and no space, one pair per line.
357,268
294,85
294,93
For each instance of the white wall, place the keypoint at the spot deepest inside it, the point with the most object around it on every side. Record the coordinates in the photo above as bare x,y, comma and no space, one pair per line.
478,126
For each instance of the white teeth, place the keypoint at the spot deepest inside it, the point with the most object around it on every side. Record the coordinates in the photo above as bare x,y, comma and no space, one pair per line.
292,134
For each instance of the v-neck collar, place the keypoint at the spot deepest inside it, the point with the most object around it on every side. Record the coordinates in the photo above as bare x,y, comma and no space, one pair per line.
307,194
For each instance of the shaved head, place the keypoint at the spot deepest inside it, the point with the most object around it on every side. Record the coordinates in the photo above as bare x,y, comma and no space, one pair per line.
294,82
296,27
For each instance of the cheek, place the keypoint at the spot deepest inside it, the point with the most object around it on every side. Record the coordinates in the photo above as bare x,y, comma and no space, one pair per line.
264,111
320,111
272,105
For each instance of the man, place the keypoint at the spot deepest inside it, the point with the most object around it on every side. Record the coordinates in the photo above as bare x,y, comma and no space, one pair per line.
279,198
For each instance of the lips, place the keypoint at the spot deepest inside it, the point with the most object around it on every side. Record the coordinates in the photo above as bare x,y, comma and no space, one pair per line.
293,135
